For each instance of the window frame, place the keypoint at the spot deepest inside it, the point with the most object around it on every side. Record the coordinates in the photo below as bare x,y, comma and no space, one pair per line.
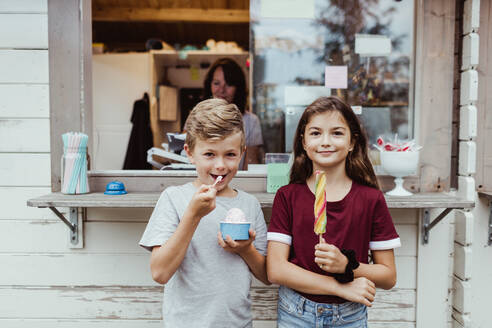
70,66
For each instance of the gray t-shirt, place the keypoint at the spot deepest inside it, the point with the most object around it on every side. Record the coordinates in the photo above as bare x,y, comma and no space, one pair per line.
211,286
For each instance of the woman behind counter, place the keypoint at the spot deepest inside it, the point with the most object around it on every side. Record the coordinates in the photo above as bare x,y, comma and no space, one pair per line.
225,79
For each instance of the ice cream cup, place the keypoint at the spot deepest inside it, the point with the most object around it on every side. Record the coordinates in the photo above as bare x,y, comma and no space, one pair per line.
237,231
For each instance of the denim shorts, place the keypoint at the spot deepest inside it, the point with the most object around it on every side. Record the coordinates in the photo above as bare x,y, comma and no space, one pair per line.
296,311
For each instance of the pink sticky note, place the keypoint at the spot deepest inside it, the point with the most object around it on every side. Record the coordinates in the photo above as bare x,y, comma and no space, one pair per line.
336,77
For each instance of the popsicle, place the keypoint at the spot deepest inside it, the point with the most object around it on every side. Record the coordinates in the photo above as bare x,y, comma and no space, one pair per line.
320,205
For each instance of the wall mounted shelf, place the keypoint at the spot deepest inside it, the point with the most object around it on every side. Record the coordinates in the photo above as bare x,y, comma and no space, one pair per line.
424,201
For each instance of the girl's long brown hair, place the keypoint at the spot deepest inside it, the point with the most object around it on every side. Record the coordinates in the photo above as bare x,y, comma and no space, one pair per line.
357,164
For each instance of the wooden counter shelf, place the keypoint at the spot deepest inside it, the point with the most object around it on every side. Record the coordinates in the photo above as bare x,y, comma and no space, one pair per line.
149,199
79,203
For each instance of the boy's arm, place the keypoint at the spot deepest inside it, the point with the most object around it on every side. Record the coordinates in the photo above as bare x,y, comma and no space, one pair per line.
166,259
281,271
256,263
248,252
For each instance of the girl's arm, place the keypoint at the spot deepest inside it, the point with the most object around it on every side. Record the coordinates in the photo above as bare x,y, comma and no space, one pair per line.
382,272
281,271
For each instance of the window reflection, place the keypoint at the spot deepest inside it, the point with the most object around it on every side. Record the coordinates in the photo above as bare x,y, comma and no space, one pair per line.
373,38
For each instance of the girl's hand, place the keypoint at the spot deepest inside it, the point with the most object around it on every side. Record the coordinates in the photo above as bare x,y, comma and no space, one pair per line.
361,290
203,201
329,258
236,246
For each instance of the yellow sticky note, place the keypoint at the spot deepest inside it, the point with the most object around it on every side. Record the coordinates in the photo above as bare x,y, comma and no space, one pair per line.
195,73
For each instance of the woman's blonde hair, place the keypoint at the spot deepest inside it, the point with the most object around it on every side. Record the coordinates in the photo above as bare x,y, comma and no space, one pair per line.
213,119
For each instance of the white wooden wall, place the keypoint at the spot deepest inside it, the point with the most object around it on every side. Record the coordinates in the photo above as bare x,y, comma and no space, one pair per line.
474,285
44,283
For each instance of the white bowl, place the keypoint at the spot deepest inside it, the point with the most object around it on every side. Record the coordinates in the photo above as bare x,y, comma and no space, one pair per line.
399,165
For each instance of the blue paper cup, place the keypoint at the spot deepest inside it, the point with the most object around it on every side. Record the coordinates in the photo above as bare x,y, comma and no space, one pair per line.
237,231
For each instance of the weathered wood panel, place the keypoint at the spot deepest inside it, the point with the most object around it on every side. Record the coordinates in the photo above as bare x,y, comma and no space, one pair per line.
112,323
28,31
75,269
404,216
17,169
25,237
408,237
64,269
406,267
15,198
24,100
484,103
119,214
159,182
78,323
148,199
378,324
17,236
70,74
463,261
24,66
24,6
433,275
434,91
144,303
25,135
400,216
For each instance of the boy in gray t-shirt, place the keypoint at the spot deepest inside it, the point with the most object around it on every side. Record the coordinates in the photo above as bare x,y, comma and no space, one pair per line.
207,278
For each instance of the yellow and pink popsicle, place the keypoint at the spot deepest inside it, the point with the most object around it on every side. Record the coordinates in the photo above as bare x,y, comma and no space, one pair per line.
320,204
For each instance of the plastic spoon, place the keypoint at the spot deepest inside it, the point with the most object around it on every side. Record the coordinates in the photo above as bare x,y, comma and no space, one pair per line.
217,180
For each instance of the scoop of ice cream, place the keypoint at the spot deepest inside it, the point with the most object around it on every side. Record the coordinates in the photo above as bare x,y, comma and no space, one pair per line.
235,215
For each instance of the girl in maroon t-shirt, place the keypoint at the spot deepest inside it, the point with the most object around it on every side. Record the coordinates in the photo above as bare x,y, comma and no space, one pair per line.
330,283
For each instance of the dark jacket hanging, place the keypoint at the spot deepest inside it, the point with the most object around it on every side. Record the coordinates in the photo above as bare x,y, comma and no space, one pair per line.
141,138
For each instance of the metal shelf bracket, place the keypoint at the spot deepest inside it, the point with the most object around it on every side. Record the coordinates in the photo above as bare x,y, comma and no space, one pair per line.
489,242
428,225
72,223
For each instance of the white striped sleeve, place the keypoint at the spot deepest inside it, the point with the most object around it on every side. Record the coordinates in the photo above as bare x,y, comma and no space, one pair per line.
384,244
280,237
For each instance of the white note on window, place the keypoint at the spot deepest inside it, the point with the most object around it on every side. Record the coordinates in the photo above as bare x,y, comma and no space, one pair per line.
336,77
372,45
287,9
303,95
357,109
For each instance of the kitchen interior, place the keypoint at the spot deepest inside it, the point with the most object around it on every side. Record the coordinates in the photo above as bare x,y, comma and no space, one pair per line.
162,49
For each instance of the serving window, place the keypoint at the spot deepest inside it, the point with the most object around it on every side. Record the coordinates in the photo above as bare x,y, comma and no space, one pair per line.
301,48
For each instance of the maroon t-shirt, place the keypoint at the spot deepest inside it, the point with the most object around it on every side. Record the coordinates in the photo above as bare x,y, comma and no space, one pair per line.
360,221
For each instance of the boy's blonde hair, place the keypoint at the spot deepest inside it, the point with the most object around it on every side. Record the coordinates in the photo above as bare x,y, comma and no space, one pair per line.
213,119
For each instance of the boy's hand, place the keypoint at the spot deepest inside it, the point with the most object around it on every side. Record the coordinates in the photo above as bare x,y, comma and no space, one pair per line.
236,246
329,258
203,201
361,290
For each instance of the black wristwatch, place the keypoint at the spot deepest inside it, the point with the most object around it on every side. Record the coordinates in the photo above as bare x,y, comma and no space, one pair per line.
352,264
